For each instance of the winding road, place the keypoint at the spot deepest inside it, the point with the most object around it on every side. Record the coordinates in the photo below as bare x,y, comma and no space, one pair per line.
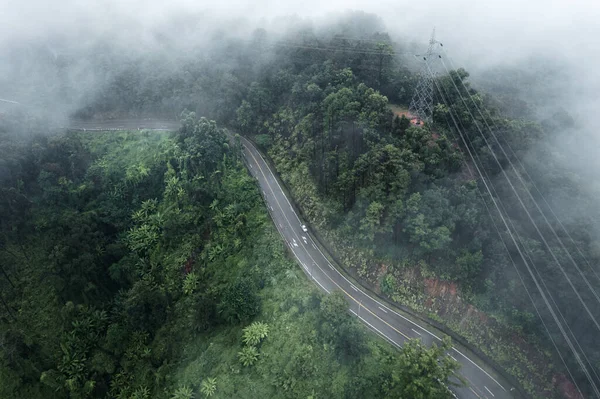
380,317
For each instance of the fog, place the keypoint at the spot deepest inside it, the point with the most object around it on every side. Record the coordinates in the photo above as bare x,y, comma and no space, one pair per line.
478,35
535,38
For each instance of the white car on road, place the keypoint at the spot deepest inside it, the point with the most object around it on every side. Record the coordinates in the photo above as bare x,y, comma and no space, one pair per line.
304,229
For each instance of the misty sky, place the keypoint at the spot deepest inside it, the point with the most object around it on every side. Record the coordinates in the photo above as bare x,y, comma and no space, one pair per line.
475,33
508,28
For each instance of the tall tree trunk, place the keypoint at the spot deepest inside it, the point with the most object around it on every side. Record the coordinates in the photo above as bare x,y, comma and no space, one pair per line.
7,308
7,277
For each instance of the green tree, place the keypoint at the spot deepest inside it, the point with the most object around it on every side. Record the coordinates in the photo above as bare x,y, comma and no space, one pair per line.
183,392
240,301
420,372
468,266
255,333
248,355
208,387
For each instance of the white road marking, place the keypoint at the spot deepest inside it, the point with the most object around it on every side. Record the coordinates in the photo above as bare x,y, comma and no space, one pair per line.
314,246
331,267
251,166
280,225
485,372
486,388
453,358
384,311
317,281
353,287
415,331
375,328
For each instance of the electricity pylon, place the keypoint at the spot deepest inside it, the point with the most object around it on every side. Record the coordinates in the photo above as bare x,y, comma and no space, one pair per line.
421,105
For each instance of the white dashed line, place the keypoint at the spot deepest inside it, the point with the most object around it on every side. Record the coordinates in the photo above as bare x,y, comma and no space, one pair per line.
486,388
376,330
415,331
453,358
331,267
475,364
382,309
353,287
314,246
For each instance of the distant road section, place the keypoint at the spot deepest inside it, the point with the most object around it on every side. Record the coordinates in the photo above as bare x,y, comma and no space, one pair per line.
379,316
9,101
124,124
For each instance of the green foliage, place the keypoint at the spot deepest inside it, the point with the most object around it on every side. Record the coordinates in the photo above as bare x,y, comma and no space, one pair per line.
388,285
248,355
190,284
137,207
240,301
144,393
468,265
419,372
264,141
183,392
255,333
208,387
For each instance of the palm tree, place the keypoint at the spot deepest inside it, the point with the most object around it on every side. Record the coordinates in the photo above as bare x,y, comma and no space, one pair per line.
183,392
255,333
248,355
208,386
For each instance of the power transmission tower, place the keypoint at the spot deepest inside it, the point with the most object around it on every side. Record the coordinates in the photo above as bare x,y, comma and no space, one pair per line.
421,105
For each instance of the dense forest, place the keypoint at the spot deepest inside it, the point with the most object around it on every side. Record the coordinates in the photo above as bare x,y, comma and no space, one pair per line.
136,240
138,265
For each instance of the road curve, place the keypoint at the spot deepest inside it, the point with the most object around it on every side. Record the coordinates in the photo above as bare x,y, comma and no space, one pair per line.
380,317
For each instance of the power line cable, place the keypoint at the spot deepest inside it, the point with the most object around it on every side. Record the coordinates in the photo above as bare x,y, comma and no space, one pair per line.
503,209
542,280
531,181
588,311
516,268
342,49
539,288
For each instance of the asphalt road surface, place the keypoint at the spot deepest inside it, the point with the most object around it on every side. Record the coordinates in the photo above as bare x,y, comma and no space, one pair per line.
124,124
379,317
